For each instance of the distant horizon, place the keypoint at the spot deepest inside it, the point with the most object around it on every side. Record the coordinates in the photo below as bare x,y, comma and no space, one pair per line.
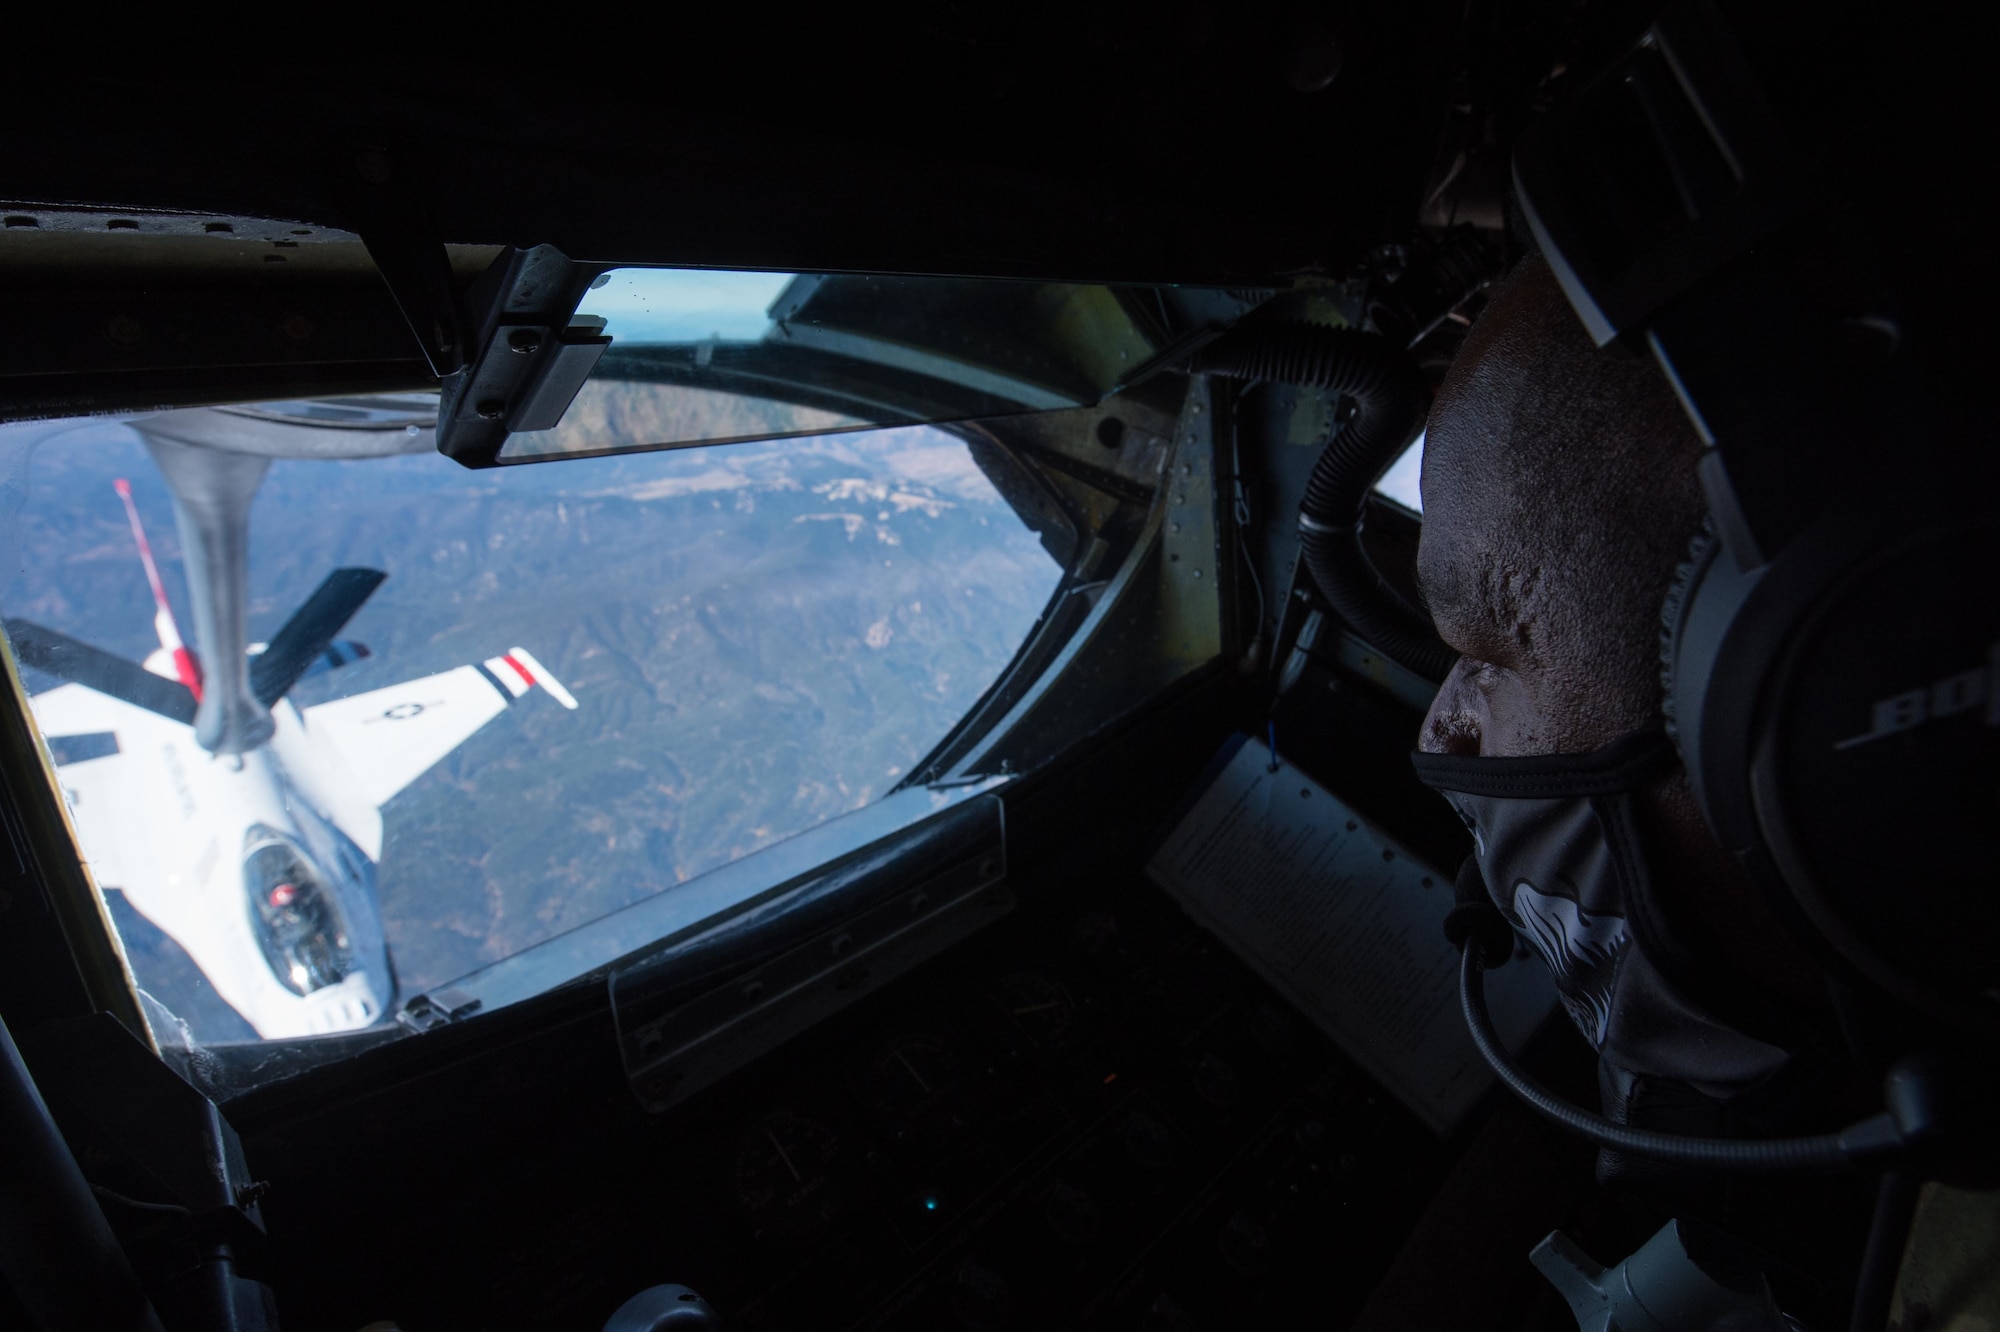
684,304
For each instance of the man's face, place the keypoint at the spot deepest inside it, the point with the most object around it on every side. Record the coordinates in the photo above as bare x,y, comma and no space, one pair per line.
1534,677
1528,681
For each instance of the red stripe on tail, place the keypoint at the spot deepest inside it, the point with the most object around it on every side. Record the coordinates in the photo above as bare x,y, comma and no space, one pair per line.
186,665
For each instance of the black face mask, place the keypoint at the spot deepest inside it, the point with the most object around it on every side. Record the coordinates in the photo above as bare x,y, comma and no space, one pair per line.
1559,848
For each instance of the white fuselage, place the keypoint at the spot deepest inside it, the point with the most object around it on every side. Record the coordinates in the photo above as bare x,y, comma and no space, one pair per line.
169,825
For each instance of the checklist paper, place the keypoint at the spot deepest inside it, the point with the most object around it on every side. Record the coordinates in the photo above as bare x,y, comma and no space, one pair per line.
1343,921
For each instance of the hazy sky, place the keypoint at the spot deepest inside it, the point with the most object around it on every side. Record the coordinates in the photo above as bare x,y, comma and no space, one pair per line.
684,304
1399,483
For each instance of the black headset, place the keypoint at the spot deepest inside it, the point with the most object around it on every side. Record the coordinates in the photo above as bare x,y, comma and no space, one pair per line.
1830,650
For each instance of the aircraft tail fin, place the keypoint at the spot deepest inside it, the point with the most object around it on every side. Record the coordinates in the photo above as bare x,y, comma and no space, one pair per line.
94,668
187,669
308,635
518,672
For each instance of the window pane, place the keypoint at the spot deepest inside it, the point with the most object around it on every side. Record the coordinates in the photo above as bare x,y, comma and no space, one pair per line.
699,355
757,639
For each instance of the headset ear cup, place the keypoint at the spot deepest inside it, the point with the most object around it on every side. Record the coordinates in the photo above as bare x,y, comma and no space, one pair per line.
1673,619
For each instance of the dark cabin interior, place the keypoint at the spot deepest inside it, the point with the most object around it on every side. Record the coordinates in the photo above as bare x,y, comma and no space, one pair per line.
1087,1110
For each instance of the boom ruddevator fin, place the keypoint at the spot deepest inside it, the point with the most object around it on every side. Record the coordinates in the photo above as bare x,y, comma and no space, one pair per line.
310,631
94,668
